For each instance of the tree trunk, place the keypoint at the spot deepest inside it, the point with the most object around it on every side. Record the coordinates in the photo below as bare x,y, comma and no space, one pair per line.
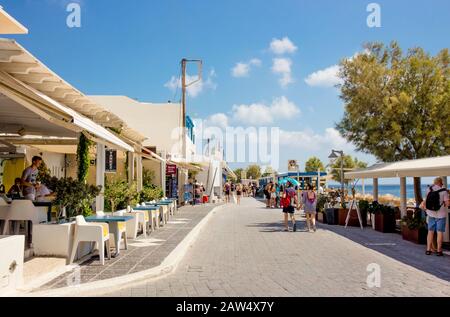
418,191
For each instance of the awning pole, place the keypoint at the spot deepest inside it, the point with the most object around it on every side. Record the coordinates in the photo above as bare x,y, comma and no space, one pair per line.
375,189
403,196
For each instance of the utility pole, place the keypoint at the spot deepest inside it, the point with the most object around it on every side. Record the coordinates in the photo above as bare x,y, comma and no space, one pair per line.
184,87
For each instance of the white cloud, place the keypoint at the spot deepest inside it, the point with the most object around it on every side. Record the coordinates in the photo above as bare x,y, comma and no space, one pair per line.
310,141
262,114
282,46
196,89
283,67
243,69
219,120
327,77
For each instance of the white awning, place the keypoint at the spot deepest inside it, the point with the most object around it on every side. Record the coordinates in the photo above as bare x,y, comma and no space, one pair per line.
146,153
185,165
46,107
436,166
23,66
9,25
229,170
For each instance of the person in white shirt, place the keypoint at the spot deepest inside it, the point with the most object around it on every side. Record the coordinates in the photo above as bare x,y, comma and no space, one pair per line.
436,218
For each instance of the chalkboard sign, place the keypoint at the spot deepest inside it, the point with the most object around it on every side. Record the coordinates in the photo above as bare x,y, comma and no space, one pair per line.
110,161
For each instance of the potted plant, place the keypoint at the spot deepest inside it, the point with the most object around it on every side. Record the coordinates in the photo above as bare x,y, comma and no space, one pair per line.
321,216
384,217
332,209
74,197
414,228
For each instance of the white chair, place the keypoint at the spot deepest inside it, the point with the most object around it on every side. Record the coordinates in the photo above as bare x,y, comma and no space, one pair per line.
91,232
140,220
122,226
24,210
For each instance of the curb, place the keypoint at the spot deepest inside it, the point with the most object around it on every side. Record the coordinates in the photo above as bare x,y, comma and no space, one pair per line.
168,265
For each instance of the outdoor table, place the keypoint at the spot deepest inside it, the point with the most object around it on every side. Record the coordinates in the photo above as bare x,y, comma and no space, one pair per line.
113,223
151,209
47,204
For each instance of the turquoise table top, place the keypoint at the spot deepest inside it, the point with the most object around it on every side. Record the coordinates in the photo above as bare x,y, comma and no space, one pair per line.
146,208
108,219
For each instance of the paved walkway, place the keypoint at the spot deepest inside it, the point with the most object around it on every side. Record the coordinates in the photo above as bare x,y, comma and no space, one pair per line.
142,254
243,252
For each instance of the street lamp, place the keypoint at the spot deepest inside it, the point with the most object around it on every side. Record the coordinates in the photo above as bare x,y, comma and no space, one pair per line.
333,157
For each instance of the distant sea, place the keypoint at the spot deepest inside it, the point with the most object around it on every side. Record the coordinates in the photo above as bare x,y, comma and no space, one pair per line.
387,189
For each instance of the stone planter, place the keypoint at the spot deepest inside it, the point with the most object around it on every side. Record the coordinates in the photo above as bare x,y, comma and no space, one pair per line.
342,216
385,223
354,221
417,236
321,217
332,215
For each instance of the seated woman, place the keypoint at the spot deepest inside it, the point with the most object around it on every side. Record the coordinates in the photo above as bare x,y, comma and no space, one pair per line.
15,192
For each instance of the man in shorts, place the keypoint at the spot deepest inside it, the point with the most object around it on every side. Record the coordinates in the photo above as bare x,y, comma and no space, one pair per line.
227,190
289,202
437,219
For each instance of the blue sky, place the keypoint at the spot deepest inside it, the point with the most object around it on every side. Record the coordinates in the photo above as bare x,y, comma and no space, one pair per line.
134,48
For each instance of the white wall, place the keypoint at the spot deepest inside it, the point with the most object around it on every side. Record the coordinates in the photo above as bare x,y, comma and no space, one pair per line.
160,123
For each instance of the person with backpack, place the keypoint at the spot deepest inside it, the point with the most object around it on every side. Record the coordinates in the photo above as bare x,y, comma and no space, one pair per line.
227,190
309,201
436,204
289,202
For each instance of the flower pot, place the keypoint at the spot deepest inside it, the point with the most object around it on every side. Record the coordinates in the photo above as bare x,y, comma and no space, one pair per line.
353,221
385,223
417,236
332,215
321,217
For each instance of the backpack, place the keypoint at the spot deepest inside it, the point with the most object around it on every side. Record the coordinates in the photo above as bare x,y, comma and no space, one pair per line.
433,201
286,200
311,196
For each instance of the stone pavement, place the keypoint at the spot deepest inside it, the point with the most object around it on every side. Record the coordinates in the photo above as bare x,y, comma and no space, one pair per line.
243,252
142,254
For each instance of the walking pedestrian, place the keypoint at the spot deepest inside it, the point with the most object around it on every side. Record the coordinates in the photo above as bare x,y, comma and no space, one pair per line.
436,205
289,203
273,195
309,201
267,190
239,191
227,190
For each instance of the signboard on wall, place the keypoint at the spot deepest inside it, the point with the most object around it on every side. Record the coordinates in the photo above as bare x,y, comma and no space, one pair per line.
171,170
293,166
110,161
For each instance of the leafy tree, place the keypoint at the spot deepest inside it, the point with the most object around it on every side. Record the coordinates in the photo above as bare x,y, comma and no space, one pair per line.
269,171
238,173
253,172
314,164
397,106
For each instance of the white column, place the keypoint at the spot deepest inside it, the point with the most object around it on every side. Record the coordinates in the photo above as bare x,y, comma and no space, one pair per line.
130,167
375,189
163,172
403,196
139,172
100,177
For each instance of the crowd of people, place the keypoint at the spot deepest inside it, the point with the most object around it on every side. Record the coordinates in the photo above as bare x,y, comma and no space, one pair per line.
240,190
